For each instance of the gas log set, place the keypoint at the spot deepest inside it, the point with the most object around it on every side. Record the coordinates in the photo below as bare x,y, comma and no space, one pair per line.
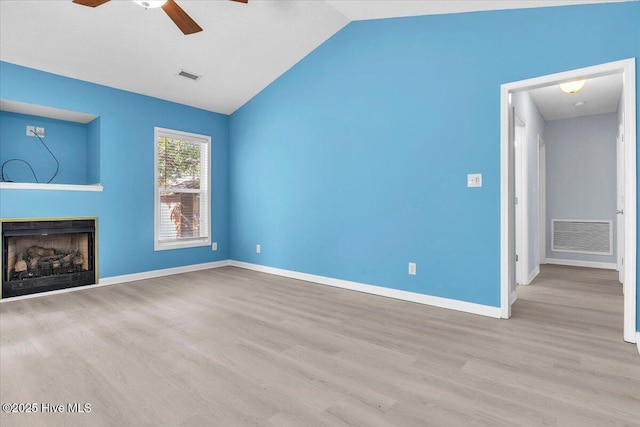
37,261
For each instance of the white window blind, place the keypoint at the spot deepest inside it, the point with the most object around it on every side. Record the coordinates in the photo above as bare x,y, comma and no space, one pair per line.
182,189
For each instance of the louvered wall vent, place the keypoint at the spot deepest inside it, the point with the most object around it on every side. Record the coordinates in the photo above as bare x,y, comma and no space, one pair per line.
582,236
189,75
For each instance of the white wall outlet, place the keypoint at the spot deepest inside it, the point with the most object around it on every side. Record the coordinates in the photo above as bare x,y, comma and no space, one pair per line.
474,180
214,246
258,249
412,268
40,132
31,131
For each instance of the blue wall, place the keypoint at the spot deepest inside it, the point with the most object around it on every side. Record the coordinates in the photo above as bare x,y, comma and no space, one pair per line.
351,164
67,141
93,151
354,162
125,168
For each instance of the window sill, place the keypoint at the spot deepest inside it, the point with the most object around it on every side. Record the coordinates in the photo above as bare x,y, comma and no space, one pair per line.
195,243
56,187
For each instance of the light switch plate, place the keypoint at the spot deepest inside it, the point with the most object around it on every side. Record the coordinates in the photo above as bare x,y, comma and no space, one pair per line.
474,180
412,268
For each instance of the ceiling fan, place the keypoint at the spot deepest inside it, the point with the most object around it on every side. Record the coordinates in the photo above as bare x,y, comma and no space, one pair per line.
186,24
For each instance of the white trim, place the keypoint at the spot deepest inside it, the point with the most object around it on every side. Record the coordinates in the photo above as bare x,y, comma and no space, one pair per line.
581,263
115,280
44,111
532,275
44,186
620,197
630,197
467,307
542,200
638,341
522,178
514,297
505,266
452,304
164,272
625,67
178,243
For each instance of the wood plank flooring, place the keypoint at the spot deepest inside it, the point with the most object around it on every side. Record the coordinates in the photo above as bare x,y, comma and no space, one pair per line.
231,347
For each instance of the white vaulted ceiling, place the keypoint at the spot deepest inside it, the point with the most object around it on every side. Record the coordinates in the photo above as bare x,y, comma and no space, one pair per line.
243,48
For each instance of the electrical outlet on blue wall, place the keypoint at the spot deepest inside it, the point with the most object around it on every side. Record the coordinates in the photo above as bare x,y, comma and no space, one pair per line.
67,142
365,168
113,152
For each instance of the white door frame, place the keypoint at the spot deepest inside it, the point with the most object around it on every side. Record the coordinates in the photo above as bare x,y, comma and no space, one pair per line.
625,67
542,201
620,202
522,210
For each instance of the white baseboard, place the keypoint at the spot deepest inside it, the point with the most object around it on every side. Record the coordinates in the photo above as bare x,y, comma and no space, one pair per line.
467,307
533,275
164,272
638,341
576,263
114,280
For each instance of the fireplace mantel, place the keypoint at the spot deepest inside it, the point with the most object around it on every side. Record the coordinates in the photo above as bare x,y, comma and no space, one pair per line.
42,186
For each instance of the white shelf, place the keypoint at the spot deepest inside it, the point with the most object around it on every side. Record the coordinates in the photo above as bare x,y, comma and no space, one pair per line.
55,187
48,112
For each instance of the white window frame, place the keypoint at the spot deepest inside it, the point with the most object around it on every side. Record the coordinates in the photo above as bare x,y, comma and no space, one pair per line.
181,243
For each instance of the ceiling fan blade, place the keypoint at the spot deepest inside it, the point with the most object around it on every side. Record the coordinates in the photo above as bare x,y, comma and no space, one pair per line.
241,1
180,18
90,3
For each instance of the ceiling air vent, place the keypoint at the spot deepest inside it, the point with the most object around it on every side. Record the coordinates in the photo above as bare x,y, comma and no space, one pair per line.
189,75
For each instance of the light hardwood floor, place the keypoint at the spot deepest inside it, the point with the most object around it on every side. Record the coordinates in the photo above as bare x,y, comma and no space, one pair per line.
231,347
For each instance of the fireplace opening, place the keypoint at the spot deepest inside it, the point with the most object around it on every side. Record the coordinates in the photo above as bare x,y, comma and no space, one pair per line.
39,256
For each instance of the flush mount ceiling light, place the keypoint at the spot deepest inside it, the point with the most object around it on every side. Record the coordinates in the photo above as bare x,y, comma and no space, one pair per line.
574,86
150,4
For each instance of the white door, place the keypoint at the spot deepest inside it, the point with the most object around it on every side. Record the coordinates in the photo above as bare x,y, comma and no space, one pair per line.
620,202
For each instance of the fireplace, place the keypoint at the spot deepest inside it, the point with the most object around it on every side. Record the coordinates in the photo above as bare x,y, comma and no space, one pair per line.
45,255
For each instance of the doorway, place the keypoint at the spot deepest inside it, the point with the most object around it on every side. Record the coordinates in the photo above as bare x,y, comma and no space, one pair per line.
509,172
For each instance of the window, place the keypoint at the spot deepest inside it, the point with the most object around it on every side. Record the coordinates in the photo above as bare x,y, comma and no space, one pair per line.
182,189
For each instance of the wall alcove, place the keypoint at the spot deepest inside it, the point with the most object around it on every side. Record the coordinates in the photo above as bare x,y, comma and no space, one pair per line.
73,139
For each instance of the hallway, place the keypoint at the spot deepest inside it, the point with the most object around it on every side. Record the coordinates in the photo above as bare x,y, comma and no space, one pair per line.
576,305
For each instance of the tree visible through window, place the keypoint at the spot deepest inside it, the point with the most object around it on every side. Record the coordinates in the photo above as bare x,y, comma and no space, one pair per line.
182,189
